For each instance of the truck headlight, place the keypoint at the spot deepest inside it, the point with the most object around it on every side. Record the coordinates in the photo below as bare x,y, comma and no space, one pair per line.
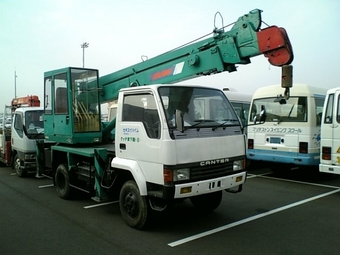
238,165
30,156
181,174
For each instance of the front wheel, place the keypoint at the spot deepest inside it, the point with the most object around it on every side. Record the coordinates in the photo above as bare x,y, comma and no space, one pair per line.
62,182
133,207
207,202
17,167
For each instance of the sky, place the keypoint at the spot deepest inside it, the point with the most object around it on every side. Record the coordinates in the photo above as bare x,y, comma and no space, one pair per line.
42,35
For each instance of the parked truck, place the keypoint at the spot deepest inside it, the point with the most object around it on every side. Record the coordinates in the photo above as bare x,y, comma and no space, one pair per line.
17,149
167,141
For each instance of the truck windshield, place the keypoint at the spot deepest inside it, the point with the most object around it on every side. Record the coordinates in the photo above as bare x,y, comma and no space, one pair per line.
34,122
201,107
292,110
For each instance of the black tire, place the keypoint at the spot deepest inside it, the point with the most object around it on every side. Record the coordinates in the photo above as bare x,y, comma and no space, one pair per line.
16,166
207,202
62,182
133,207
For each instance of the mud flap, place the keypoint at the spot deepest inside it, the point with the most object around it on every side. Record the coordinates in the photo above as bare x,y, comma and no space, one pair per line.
235,190
100,164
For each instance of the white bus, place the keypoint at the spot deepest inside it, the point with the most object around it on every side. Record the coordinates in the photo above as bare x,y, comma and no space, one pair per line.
112,110
291,133
240,102
330,133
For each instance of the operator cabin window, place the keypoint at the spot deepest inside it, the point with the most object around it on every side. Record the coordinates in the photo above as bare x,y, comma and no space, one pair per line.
142,108
60,85
48,95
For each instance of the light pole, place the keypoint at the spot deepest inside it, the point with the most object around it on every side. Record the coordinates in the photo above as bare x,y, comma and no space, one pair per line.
15,84
83,46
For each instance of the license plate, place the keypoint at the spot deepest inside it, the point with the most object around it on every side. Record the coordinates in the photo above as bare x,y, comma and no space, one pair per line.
275,140
214,185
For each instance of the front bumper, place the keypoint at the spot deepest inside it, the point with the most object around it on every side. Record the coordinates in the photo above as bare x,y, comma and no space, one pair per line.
331,169
190,189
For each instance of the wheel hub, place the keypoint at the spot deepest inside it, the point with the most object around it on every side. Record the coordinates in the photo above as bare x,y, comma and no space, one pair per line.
131,205
17,166
61,181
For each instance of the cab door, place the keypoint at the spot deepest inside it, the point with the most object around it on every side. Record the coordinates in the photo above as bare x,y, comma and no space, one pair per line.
17,131
336,129
57,113
330,133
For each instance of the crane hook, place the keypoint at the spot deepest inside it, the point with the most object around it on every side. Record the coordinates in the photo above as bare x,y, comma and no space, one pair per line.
287,79
216,30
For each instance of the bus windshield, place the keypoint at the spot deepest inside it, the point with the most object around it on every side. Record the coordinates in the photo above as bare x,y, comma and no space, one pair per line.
292,110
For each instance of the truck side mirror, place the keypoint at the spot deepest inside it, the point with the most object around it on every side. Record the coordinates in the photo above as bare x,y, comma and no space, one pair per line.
261,118
179,121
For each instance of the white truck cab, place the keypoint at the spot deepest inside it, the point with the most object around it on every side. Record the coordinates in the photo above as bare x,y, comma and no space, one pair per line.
23,145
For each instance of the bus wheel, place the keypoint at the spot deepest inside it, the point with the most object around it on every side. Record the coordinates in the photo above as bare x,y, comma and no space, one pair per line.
207,202
133,207
62,181
16,165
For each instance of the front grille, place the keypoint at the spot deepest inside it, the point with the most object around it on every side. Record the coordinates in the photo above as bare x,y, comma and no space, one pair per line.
210,171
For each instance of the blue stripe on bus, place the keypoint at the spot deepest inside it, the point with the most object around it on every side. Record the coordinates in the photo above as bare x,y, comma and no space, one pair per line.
307,159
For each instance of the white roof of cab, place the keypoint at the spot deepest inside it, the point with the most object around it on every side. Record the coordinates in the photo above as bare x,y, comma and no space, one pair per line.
298,89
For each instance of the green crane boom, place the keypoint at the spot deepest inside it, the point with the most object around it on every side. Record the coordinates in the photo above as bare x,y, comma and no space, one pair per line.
213,55
74,95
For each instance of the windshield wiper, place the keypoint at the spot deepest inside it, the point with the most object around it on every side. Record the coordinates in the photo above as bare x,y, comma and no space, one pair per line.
199,122
279,118
223,124
290,112
32,135
35,135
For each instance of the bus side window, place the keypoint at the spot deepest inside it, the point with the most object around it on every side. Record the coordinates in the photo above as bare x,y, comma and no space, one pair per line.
338,110
318,118
329,110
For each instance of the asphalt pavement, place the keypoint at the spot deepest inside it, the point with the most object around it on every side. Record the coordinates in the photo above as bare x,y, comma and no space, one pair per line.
295,212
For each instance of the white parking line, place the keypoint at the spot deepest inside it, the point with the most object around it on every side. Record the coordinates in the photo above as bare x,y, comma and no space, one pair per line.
249,176
100,204
45,186
300,182
255,217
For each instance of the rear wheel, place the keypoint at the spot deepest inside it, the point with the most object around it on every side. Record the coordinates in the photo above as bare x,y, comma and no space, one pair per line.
16,165
207,202
62,181
133,207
